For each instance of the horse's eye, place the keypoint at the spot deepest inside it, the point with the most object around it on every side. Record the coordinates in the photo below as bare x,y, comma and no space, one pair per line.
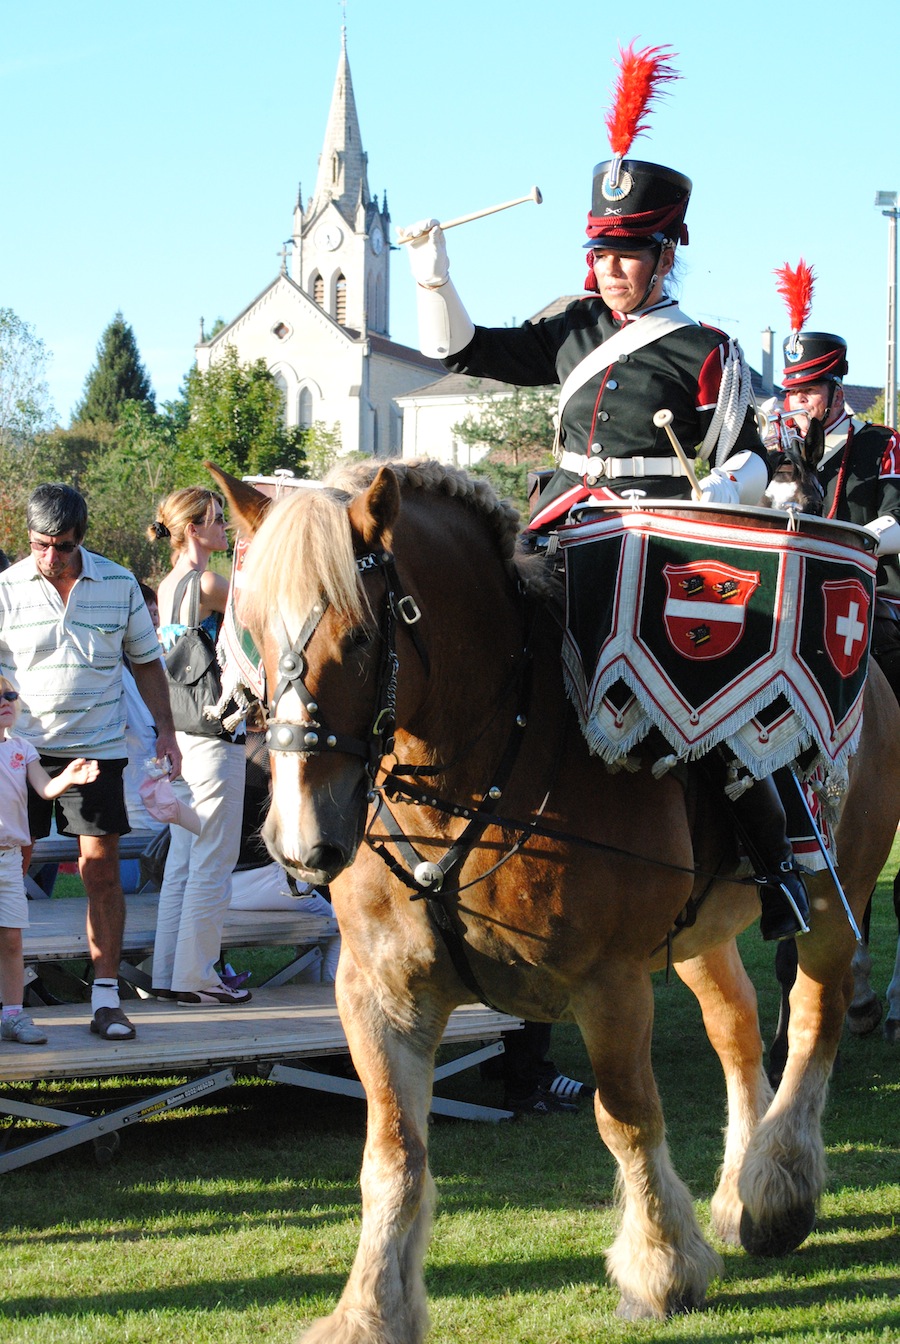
360,636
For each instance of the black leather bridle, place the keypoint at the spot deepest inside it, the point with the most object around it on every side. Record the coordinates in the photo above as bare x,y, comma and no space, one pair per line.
313,736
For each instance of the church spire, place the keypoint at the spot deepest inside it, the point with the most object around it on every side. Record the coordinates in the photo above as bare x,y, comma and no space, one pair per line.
342,174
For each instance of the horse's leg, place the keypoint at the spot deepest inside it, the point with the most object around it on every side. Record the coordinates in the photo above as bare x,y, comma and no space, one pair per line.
785,974
659,1261
730,1015
383,1301
784,1170
892,1021
865,1009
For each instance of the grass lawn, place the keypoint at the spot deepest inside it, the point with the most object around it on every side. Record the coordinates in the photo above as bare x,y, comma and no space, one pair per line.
238,1221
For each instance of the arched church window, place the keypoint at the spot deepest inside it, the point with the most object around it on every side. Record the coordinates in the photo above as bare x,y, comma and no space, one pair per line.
340,299
318,289
281,383
305,408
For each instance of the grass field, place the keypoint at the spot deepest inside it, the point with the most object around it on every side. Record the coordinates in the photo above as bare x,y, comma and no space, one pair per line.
239,1221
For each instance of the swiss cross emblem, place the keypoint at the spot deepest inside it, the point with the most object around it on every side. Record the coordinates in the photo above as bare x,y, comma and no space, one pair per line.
706,606
846,623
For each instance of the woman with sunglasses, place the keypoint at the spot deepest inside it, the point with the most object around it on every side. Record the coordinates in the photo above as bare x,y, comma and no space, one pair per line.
196,887
19,767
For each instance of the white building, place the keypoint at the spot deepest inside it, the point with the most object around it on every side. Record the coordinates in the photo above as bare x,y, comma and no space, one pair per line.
322,325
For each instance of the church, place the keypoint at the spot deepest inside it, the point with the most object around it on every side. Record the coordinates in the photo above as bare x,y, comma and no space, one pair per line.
323,324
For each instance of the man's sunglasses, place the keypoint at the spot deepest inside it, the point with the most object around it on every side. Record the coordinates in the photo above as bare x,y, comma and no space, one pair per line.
63,547
9,695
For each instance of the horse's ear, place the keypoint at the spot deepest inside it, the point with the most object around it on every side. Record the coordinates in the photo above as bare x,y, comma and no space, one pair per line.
250,506
373,513
814,444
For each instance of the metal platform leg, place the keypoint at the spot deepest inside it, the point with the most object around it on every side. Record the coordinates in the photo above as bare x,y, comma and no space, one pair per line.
350,1087
76,1128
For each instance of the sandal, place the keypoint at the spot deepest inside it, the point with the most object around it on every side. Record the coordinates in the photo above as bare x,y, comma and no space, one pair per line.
221,994
105,1019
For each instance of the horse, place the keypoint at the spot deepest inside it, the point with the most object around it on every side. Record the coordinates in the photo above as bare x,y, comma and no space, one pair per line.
795,484
428,765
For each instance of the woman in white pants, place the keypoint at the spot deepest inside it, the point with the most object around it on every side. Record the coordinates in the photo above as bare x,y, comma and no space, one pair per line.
196,887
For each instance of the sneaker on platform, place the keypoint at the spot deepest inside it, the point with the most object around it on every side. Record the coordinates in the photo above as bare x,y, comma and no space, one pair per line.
22,1029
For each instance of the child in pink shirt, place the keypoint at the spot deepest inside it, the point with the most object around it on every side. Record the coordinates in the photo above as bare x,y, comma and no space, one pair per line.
19,766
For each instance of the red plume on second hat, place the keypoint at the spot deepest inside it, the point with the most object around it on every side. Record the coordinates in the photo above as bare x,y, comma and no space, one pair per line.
809,356
636,204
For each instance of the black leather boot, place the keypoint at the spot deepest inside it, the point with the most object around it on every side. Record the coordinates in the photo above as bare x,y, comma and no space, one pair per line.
759,817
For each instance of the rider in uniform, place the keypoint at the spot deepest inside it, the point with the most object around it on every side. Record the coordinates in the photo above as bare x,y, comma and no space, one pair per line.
859,470
621,354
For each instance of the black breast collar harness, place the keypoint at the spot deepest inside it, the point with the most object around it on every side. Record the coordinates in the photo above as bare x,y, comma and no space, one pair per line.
313,736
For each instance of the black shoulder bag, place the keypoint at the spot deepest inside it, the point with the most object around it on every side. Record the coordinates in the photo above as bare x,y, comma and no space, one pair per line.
195,681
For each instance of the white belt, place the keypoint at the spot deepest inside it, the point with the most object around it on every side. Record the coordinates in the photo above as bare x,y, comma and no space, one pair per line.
581,464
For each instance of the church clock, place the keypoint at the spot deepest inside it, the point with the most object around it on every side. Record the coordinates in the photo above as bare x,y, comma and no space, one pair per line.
376,241
328,237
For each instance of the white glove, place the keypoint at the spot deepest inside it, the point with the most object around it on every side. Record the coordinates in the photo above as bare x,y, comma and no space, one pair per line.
428,253
886,531
739,480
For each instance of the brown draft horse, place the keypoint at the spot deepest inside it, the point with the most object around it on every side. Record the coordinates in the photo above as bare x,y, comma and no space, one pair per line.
400,632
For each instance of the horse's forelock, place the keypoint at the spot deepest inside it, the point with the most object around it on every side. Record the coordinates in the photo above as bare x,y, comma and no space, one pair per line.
302,551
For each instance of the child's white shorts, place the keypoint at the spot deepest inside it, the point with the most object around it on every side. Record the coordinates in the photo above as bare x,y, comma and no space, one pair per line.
13,901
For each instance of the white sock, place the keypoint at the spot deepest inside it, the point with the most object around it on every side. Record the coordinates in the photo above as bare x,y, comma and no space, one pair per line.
104,994
12,1009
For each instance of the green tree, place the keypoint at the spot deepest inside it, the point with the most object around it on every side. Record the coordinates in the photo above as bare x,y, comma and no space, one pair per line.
234,416
117,377
875,412
25,413
519,425
25,406
518,431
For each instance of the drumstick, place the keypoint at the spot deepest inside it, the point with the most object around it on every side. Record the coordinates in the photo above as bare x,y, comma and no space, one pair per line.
663,420
533,195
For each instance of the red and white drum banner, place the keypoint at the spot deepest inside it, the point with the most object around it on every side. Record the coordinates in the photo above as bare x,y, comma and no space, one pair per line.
717,625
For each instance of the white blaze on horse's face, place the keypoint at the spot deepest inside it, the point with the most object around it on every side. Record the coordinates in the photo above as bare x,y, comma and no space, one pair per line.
318,809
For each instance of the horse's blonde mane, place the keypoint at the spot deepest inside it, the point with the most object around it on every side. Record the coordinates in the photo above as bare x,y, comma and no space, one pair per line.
303,549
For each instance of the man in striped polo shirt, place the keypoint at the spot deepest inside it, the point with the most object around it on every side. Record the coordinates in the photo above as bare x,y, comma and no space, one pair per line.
67,619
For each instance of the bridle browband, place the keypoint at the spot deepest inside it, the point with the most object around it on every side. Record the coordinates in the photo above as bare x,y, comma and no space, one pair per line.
312,736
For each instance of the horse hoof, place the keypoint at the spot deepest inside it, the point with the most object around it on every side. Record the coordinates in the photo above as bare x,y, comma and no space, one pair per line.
630,1309
891,1030
778,1239
863,1018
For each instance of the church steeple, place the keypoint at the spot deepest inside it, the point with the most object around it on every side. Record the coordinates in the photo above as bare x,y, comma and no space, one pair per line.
341,250
342,177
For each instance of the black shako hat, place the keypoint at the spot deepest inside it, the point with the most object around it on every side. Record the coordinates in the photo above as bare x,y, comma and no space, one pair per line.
813,357
640,205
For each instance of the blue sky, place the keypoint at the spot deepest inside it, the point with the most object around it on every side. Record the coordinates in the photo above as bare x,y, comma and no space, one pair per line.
152,153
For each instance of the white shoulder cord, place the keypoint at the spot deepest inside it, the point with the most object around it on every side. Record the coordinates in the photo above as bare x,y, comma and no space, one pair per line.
731,407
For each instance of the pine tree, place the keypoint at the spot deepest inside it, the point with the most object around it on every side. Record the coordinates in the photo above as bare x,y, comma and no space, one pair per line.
118,376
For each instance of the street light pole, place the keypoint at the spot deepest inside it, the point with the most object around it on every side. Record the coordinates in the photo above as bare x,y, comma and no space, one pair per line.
889,199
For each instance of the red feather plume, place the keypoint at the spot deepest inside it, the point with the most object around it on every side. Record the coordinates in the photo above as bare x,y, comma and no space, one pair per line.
796,288
641,73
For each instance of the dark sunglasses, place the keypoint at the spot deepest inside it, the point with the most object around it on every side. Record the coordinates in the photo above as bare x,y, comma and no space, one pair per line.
9,695
63,547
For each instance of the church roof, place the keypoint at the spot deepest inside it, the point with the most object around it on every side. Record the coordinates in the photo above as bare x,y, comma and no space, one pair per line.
342,176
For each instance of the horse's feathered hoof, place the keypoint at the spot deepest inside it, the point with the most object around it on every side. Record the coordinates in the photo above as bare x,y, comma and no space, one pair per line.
778,1239
630,1309
891,1031
863,1018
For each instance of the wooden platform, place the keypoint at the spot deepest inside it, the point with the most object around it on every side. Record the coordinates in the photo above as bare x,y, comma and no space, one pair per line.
279,1034
57,931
